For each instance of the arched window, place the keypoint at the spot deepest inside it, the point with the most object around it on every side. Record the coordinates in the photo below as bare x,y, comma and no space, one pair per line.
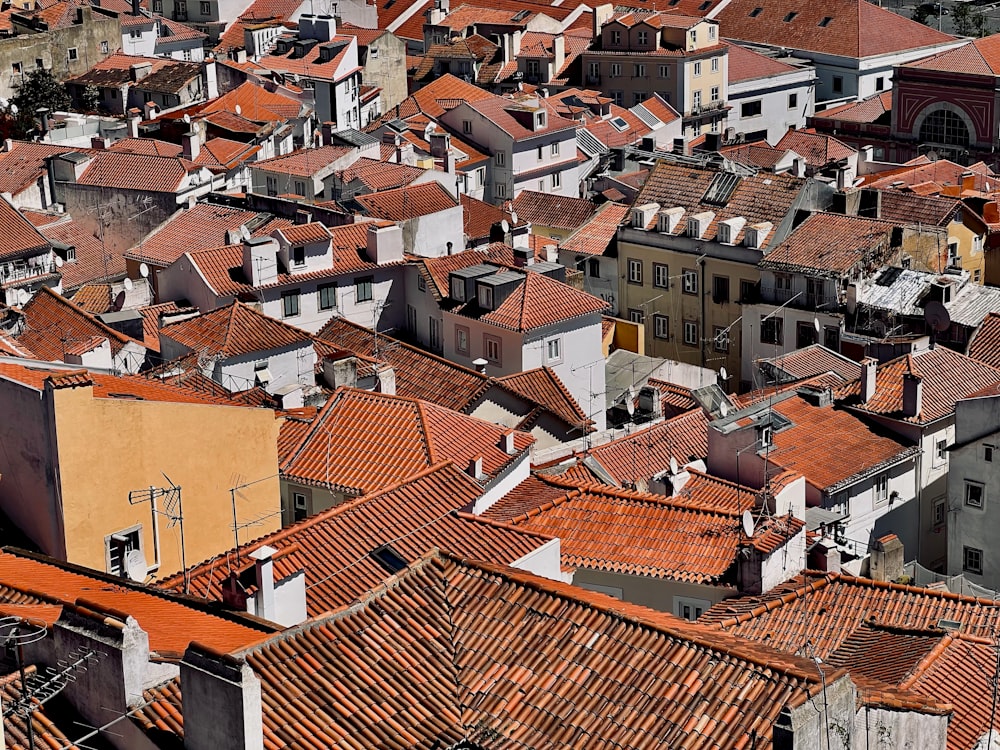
945,127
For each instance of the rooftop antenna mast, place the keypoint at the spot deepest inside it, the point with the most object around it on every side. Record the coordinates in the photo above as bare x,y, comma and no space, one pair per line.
173,510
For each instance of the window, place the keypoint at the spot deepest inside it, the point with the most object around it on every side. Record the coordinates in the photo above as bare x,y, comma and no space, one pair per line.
636,316
595,70
838,84
500,158
748,291
327,296
720,289
541,153
135,34
879,83
940,512
500,189
693,36
638,97
298,256
556,180
988,453
491,348
437,343
691,333
715,65
533,67
793,101
975,494
593,268
750,109
643,38
715,97
466,126
825,22
71,53
634,271
771,330
766,435
373,51
616,37
756,12
690,609
661,275
157,6
16,68
363,289
977,276
554,149
39,63
421,283
118,545
616,70
972,560
411,319
300,507
639,71
484,296
720,339
661,326
790,17
617,97
553,350
942,450
689,280
711,29
272,185
290,304
206,8
664,71
881,488
697,68
944,127
462,339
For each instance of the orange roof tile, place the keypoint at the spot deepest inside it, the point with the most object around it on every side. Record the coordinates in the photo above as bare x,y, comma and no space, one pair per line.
24,164
303,234
543,386
129,171
44,732
452,651
233,331
334,547
814,360
595,235
426,100
747,65
978,57
52,322
151,323
833,245
94,298
946,377
148,146
378,175
93,262
407,203
546,209
362,442
21,238
871,110
985,344
304,162
480,218
224,153
817,149
171,623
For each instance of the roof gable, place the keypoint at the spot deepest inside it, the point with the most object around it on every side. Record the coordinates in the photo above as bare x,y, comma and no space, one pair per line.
233,331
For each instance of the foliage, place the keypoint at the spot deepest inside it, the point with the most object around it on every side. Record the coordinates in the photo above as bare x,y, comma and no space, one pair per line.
923,12
39,88
969,21
90,99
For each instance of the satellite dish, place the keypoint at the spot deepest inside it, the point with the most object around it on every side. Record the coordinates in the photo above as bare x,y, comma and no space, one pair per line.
428,130
59,262
513,218
128,285
13,109
723,373
187,119
238,109
23,297
630,406
144,270
724,409
936,315
816,324
505,226
748,525
119,302
674,468
135,565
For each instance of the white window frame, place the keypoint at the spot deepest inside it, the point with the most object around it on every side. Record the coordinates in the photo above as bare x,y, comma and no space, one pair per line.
300,504
553,350
689,278
970,502
880,489
492,349
661,275
691,332
695,607
661,326
974,569
634,271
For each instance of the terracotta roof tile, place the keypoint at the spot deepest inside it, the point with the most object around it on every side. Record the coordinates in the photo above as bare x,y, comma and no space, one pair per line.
378,175
304,162
452,651
832,244
870,110
985,344
21,238
814,360
747,65
151,323
546,209
978,57
24,164
256,104
817,149
225,154
946,377
856,28
233,331
148,146
543,386
129,171
362,442
910,208
44,731
941,172
480,218
595,236
92,262
303,234
884,653
171,624
94,298
674,399
407,203
334,547
52,321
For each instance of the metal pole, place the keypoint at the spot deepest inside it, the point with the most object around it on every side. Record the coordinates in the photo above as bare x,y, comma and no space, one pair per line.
236,533
24,691
180,521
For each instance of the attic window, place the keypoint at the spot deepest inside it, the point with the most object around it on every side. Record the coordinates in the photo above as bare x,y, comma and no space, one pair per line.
766,436
619,123
388,558
825,22
756,12
790,16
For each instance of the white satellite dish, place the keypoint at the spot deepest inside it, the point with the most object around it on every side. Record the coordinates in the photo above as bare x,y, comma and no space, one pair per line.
724,409
59,262
238,109
816,324
748,525
144,270
187,119
723,373
135,565
505,226
674,468
513,218
23,297
128,285
13,109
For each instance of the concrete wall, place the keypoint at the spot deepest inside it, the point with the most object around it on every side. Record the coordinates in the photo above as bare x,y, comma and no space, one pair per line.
139,442
428,236
879,727
775,95
546,561
294,364
826,722
604,284
385,66
659,594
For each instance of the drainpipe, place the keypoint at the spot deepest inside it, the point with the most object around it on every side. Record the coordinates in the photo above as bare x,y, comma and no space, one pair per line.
704,319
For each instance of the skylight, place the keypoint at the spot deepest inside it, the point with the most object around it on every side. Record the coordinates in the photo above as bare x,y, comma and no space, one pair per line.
825,22
619,123
790,16
388,558
756,12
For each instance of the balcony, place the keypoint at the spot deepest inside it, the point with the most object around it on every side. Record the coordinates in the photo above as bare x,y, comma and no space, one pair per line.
805,300
708,109
12,274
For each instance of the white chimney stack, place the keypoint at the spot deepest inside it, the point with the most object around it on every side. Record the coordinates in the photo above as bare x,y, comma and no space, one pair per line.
868,369
264,567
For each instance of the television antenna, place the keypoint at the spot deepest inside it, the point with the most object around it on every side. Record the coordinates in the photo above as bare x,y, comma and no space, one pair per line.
172,510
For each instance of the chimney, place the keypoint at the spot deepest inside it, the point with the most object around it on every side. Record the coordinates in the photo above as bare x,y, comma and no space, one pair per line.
191,144
386,380
480,365
44,123
260,260
150,110
239,55
264,569
138,71
340,372
211,78
475,469
869,367
523,256
551,253
507,443
99,143
602,13
385,244
912,394
134,118
559,52
222,702
136,7
886,561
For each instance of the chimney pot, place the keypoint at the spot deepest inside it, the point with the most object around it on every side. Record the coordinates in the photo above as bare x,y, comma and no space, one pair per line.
475,469
868,369
480,365
912,394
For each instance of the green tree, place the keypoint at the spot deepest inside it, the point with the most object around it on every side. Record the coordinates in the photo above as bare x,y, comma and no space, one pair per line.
38,89
922,13
969,21
90,98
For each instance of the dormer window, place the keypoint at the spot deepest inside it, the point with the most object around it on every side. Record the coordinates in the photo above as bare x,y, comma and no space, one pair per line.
616,37
458,290
790,17
642,37
485,296
756,12
540,120
766,436
298,256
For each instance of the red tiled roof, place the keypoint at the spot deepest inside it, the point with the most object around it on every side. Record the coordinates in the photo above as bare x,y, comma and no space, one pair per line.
543,386
151,323
304,234
426,100
833,244
407,203
24,164
21,238
40,218
594,237
480,217
985,344
128,171
44,731
362,442
856,28
255,102
95,298
52,323
674,399
92,263
867,110
233,331
814,360
941,172
747,65
224,153
379,175
546,209
334,547
304,162
457,652
910,208
817,149
946,377
170,623
978,57
148,146
637,457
